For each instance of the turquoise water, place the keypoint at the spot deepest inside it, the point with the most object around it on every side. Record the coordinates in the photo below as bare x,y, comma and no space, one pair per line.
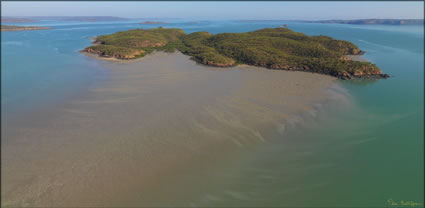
358,157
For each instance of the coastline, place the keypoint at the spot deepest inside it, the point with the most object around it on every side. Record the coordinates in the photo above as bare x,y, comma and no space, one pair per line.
112,59
342,76
155,117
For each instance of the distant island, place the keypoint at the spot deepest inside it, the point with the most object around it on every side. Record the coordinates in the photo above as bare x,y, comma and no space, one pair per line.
273,48
16,20
152,23
261,20
61,18
22,28
90,18
374,21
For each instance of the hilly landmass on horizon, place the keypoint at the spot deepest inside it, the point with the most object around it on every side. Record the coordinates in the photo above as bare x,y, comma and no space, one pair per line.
374,21
7,19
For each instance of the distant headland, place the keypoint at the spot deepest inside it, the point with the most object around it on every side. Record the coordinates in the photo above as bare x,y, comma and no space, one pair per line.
273,48
5,28
374,21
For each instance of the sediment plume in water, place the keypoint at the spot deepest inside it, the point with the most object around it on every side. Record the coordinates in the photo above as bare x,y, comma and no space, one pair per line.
150,121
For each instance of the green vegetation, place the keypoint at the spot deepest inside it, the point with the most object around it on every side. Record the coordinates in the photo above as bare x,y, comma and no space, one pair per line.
136,43
274,48
194,45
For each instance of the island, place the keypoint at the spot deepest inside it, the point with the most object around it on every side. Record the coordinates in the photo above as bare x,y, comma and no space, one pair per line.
5,28
84,18
374,21
16,20
273,48
62,18
152,23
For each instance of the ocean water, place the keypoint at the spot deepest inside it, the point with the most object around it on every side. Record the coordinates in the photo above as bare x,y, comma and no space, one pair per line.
364,155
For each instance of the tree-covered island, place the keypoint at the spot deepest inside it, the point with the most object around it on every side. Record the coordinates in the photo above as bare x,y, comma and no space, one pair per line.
273,48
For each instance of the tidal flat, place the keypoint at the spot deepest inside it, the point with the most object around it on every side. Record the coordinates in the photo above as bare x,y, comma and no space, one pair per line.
151,121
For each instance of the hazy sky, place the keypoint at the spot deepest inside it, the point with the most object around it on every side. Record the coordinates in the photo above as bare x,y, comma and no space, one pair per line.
219,10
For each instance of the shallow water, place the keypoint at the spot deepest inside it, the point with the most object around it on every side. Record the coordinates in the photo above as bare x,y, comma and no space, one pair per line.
360,146
149,119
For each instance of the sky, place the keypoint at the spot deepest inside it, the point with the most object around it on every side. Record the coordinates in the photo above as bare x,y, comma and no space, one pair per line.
220,10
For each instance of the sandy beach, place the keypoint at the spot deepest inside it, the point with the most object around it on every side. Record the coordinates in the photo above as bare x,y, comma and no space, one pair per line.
150,121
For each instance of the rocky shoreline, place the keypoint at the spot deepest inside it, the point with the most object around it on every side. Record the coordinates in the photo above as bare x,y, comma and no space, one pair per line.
343,75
